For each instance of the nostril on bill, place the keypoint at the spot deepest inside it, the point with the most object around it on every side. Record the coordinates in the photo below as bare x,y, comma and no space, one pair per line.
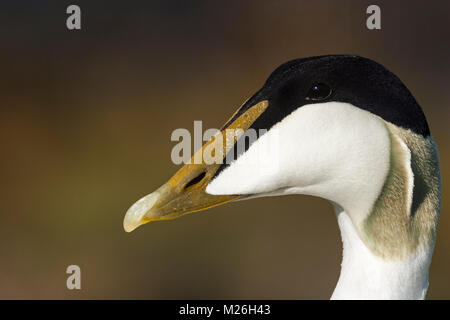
196,180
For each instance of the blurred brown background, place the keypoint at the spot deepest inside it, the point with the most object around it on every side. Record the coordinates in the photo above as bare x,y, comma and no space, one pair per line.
85,124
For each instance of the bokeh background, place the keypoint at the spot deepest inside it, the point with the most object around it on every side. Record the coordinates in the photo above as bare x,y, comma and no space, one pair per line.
85,124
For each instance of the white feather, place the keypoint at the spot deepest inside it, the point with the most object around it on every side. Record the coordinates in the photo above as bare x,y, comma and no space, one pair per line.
341,153
331,150
367,276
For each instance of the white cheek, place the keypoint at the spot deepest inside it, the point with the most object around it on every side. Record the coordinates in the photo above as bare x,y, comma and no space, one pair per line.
258,170
332,150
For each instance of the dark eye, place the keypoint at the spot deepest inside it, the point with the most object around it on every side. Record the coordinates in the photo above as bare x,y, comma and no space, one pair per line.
319,91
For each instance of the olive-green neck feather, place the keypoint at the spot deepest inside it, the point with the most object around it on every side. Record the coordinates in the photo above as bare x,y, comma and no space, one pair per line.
405,216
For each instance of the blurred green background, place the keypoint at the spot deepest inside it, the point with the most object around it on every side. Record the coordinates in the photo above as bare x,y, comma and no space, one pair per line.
85,124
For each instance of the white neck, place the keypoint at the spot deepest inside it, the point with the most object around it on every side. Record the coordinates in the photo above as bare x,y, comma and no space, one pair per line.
367,276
